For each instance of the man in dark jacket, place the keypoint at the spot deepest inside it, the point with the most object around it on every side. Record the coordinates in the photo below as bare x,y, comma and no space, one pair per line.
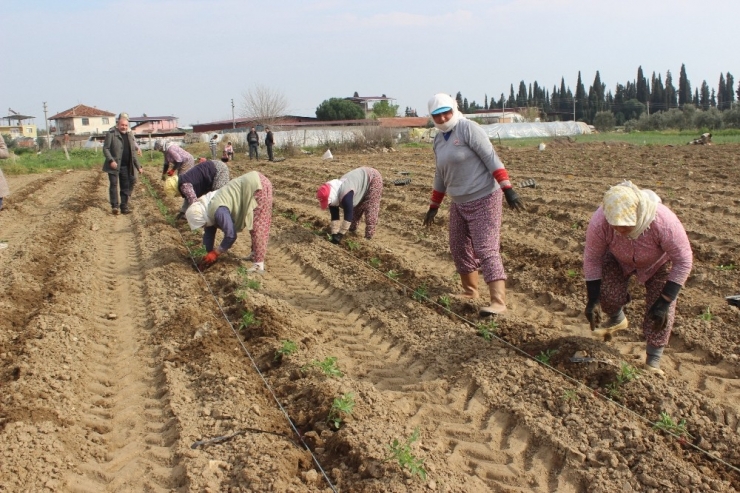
269,142
120,163
253,139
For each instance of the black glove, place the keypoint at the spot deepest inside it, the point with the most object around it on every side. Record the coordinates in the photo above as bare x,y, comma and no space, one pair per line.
658,313
336,238
592,314
429,218
180,215
512,198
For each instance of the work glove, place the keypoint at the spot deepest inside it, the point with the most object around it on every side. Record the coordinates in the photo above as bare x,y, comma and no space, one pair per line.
658,313
512,198
208,260
429,218
171,172
337,238
593,314
180,216
164,176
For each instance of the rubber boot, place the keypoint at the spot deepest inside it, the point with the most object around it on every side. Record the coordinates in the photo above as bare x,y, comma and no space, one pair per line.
470,287
615,322
498,299
652,359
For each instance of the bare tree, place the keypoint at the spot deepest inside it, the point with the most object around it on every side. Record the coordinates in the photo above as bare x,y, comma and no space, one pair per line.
263,104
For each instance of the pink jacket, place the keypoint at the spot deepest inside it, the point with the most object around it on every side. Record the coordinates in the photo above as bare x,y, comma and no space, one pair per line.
664,240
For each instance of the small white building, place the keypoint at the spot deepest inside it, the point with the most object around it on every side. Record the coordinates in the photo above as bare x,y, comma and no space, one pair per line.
83,120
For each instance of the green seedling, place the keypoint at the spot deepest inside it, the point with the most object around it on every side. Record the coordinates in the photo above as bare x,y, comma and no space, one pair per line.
614,391
307,225
328,236
627,373
328,367
706,316
248,320
375,262
445,301
340,409
545,356
570,395
726,267
287,348
353,245
666,423
200,251
575,225
572,273
487,330
290,215
401,452
421,293
392,274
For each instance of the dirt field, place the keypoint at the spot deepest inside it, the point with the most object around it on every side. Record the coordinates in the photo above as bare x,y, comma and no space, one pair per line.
116,355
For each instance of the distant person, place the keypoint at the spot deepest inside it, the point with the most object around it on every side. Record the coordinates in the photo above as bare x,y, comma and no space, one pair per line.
121,164
213,144
229,151
633,233
208,176
471,173
269,142
4,189
253,139
176,159
243,203
357,193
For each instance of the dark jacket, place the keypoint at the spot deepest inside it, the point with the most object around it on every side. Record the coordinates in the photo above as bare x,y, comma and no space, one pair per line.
269,139
253,138
113,151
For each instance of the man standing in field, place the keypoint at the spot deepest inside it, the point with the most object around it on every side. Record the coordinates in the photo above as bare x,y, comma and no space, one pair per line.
269,142
253,139
213,144
119,150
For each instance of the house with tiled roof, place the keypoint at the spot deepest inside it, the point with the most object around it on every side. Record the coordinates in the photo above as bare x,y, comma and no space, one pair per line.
82,120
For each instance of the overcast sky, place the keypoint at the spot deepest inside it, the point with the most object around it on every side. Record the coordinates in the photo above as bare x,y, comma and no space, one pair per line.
189,58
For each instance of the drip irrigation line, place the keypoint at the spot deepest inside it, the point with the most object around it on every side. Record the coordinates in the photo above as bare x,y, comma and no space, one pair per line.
249,355
555,370
256,368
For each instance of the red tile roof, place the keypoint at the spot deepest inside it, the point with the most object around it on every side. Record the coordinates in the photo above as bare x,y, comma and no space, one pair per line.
404,121
81,110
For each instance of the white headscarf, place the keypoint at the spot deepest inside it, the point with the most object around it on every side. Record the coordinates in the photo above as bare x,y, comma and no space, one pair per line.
334,192
445,101
627,205
196,214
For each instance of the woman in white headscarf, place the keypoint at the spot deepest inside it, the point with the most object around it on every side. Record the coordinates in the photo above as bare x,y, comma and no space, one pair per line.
243,203
633,233
357,193
471,173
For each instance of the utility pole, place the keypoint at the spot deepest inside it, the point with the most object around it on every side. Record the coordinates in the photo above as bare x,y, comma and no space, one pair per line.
233,121
48,141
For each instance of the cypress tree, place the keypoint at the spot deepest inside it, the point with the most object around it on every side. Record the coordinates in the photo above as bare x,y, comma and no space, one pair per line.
581,102
730,89
684,87
704,96
459,100
643,92
721,91
670,91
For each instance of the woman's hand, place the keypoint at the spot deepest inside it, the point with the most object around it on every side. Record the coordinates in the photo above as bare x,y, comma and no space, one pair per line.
429,218
512,198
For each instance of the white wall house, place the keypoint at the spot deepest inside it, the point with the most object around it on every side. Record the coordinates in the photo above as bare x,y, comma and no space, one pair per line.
82,120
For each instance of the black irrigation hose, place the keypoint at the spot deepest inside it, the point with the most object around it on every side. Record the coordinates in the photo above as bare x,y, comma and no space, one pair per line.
251,359
546,365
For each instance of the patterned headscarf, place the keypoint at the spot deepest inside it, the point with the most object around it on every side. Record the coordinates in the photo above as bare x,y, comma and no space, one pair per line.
627,205
171,186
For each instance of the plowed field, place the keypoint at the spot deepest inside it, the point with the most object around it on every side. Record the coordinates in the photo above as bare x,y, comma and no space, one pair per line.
117,356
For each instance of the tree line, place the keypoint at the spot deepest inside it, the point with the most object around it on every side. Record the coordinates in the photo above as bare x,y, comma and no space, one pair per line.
628,101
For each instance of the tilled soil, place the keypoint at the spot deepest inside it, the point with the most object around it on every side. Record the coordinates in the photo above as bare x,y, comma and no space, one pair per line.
118,356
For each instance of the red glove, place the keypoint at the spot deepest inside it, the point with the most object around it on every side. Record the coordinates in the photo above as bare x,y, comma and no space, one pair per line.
208,260
171,172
